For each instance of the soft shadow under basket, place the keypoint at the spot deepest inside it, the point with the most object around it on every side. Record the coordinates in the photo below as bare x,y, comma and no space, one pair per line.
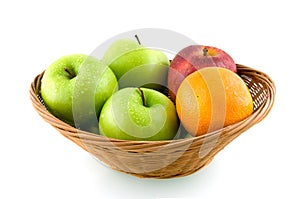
164,159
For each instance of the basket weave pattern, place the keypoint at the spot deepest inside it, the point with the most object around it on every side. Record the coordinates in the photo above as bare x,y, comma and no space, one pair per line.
164,159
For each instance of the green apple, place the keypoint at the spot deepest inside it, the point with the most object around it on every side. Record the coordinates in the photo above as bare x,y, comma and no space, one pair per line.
59,86
139,114
118,48
137,66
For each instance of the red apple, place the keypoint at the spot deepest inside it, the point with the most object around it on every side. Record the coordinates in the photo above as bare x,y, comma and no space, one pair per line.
193,58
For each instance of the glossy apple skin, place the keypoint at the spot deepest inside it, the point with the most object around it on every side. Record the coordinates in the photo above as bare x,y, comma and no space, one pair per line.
193,58
57,87
137,66
142,68
119,48
125,116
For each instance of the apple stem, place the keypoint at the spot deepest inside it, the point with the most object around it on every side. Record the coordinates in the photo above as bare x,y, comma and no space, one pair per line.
205,51
71,75
137,38
143,96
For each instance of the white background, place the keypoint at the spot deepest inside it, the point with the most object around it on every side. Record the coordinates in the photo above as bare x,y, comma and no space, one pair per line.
38,162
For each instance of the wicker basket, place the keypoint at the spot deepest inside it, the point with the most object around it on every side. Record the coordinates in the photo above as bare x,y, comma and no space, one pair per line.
164,159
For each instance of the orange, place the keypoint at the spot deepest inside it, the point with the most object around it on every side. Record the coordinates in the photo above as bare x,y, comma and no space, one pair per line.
212,98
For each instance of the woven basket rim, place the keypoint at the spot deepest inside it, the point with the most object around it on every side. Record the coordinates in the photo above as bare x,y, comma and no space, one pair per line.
56,122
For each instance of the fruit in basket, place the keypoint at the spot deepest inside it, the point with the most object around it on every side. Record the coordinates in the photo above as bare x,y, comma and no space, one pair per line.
195,57
58,85
212,98
136,66
139,114
118,48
